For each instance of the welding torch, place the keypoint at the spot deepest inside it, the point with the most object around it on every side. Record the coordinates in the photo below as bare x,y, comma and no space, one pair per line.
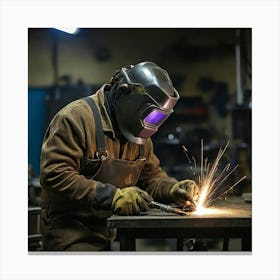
167,208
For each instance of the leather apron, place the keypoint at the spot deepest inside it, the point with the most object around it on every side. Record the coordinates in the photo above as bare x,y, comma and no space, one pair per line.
65,225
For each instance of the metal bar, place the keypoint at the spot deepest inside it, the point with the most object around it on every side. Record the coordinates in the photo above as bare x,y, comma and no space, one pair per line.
127,241
34,210
246,243
34,237
180,244
225,243
239,89
168,208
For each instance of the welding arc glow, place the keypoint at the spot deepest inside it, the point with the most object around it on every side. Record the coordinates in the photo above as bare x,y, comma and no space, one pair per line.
209,181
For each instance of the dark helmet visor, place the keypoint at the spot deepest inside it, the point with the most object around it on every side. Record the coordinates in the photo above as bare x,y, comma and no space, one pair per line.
156,117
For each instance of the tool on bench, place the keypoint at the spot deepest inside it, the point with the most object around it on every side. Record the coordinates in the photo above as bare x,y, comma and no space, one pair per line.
167,208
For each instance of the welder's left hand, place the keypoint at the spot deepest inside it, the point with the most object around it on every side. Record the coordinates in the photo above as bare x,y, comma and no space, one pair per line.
185,193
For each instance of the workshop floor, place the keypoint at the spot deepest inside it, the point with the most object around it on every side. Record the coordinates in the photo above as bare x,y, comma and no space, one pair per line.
161,245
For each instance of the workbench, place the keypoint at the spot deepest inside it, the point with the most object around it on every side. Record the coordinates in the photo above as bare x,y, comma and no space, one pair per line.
233,220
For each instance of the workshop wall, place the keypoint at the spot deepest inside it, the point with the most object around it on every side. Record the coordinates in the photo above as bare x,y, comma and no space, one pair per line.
94,55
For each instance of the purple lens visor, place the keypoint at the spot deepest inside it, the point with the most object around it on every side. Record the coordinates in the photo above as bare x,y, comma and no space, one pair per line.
156,117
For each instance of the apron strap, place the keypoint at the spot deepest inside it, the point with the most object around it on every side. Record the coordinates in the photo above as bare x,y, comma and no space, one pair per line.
101,153
141,151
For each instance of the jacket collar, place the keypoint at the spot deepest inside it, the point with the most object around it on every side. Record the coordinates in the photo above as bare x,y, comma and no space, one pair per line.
106,122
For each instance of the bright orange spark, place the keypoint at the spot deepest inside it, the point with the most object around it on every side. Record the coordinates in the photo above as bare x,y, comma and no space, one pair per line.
209,181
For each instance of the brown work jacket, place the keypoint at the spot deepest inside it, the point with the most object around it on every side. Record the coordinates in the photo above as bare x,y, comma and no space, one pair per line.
69,142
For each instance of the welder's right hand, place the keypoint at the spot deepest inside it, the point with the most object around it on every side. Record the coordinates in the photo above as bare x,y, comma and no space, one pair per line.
130,201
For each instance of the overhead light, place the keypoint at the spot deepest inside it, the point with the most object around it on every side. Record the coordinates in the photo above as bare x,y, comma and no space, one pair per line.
70,30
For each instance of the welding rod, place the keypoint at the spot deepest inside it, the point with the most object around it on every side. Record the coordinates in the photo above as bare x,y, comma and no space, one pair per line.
168,208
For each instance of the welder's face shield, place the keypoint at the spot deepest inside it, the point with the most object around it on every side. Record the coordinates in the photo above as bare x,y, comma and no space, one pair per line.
139,116
151,119
141,112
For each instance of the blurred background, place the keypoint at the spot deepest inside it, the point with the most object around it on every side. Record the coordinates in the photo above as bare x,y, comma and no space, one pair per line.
210,68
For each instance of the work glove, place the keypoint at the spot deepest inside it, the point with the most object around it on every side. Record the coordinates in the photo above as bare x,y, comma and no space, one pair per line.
130,201
185,193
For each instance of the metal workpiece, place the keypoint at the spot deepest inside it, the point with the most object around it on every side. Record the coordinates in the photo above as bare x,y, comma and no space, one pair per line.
168,208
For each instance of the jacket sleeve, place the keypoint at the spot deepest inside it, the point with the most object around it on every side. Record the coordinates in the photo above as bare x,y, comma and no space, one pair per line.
63,152
153,179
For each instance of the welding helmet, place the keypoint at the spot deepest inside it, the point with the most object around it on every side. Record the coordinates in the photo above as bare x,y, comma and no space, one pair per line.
145,100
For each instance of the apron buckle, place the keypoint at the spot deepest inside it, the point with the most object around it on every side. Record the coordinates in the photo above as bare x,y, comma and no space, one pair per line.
102,155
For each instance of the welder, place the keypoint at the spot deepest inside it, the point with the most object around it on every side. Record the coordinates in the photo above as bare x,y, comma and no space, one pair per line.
97,159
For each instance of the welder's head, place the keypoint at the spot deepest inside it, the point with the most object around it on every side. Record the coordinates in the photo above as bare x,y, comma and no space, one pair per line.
145,99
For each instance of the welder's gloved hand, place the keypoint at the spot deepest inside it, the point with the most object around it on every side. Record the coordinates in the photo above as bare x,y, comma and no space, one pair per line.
185,193
130,201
